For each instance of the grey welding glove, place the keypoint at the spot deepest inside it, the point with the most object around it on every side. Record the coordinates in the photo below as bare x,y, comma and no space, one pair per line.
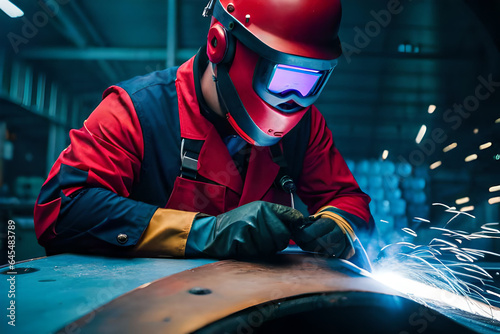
326,233
255,229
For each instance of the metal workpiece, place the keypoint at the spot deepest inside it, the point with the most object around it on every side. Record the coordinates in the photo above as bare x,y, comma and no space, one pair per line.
54,291
286,293
290,292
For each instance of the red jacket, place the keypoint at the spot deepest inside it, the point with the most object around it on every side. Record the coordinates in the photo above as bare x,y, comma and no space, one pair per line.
123,165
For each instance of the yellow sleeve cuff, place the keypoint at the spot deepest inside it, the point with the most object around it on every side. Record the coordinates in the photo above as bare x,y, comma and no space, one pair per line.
341,222
166,234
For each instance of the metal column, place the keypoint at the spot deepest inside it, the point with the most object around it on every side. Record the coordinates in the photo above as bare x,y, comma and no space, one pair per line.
57,131
171,32
2,69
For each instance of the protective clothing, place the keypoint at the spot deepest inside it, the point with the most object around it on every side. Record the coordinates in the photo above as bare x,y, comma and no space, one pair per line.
117,187
326,232
257,228
268,74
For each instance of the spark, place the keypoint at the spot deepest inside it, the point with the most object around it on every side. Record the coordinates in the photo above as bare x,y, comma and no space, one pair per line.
409,231
10,9
481,251
493,293
421,134
443,241
434,274
422,219
467,208
435,164
465,258
487,228
472,268
452,209
485,146
408,244
450,147
471,157
446,206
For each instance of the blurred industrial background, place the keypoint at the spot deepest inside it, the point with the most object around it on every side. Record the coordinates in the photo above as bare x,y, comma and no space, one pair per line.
414,104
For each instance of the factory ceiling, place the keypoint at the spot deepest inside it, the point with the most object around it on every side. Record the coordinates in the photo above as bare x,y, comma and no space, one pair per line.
400,58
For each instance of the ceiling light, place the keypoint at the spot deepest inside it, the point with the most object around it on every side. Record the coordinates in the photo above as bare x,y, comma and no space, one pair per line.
421,134
485,146
467,208
462,200
435,165
494,188
494,200
497,121
10,9
450,147
385,154
476,131
431,109
471,158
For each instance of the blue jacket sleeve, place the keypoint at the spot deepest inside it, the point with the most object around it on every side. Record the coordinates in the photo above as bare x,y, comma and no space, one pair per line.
84,203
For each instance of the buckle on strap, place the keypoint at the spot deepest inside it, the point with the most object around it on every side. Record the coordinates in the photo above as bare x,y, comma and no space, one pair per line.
190,152
209,8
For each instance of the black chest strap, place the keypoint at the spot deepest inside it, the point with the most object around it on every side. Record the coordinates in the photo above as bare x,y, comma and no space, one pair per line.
291,158
283,179
190,153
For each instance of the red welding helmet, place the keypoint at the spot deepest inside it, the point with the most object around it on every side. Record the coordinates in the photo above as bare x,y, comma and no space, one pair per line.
273,58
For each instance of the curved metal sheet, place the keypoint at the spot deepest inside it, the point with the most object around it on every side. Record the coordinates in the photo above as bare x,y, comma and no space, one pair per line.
190,300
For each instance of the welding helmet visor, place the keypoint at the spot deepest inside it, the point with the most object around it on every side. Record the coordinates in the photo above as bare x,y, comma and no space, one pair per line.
289,88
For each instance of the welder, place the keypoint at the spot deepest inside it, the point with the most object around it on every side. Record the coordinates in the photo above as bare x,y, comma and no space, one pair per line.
203,160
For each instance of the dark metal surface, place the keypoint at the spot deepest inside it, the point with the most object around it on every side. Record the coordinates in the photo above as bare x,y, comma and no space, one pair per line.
339,312
289,287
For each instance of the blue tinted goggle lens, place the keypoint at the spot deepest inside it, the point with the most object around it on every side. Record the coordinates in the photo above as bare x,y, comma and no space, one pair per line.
286,78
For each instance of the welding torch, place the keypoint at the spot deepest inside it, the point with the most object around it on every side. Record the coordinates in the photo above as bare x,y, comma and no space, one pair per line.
360,258
288,186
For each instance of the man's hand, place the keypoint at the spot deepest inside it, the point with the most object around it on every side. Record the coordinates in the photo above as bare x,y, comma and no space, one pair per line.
255,229
325,233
